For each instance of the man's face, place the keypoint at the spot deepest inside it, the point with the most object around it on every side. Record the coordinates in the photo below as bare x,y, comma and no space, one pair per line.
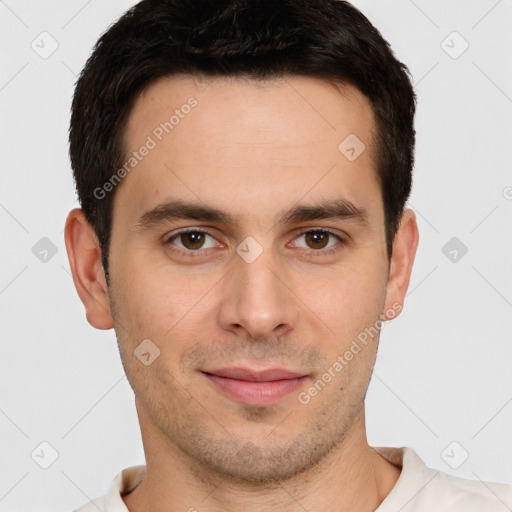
258,292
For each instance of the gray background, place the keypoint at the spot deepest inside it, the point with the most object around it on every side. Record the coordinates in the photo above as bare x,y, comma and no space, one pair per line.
444,366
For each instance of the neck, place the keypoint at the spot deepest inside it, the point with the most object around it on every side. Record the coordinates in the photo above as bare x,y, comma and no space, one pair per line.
353,477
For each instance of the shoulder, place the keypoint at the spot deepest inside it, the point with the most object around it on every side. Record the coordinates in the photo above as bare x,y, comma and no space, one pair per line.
423,489
123,483
467,495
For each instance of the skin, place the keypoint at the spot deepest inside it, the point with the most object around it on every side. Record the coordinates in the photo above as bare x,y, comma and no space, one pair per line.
252,150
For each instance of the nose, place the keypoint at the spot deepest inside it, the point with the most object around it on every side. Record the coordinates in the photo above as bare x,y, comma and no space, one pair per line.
257,301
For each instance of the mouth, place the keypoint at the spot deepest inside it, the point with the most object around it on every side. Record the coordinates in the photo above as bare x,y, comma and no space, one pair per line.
255,387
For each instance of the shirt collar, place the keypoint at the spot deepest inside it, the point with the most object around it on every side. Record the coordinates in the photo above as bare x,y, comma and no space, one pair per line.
415,475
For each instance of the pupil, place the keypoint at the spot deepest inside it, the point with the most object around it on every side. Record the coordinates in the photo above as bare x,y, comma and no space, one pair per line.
317,237
192,240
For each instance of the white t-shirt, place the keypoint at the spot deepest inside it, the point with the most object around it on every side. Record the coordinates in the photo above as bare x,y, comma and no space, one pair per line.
418,489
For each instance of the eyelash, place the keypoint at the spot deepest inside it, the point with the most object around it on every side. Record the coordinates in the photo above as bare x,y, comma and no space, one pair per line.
312,252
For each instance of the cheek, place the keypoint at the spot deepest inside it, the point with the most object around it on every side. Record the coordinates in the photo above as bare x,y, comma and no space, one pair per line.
151,321
163,308
348,300
147,300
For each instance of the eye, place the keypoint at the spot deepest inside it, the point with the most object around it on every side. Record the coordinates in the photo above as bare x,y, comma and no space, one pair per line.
192,240
319,242
319,239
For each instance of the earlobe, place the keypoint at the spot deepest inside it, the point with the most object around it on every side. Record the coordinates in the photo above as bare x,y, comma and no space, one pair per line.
404,250
84,255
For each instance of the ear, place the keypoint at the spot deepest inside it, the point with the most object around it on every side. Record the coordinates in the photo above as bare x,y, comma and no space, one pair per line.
404,250
84,256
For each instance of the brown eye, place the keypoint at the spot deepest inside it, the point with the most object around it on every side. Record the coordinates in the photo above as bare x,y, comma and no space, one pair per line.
317,239
192,240
319,242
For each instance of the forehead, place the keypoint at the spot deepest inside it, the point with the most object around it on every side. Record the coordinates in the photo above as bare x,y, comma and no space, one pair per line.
216,138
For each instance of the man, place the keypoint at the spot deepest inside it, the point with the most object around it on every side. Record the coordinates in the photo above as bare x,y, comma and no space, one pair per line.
243,169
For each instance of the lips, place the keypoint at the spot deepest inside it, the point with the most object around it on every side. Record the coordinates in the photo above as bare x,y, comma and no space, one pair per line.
255,387
272,374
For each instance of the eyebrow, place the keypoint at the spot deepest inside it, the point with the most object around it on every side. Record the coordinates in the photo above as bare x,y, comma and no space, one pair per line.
176,209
